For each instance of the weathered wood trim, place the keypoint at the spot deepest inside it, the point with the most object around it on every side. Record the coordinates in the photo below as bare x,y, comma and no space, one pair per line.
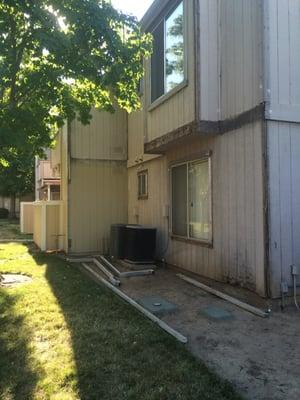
266,203
195,128
203,243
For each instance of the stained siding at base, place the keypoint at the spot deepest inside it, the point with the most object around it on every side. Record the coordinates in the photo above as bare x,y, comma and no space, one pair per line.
98,190
238,208
284,201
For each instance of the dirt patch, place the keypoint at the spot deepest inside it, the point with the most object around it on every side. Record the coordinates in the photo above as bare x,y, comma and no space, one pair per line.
13,280
260,356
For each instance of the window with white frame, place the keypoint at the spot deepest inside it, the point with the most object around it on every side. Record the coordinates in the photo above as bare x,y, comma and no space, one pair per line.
143,184
168,58
191,200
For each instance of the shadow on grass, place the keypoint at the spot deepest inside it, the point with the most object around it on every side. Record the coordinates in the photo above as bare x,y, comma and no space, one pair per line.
17,378
119,354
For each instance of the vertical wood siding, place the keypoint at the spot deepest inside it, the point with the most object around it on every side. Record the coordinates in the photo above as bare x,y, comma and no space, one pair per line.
104,138
136,130
97,189
97,199
284,201
37,225
282,37
208,65
241,41
26,217
238,217
64,188
53,226
151,211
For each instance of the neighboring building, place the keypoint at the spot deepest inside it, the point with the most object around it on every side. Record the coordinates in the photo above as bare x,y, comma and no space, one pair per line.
47,179
212,157
5,202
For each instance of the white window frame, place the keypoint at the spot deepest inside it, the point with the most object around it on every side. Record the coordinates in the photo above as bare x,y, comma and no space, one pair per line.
184,83
209,241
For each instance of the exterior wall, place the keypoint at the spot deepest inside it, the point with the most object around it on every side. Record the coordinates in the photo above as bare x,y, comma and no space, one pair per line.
179,109
53,232
26,217
97,199
208,62
105,138
282,94
282,59
238,208
284,201
97,181
55,153
136,136
136,133
151,211
46,226
241,50
38,234
64,189
229,62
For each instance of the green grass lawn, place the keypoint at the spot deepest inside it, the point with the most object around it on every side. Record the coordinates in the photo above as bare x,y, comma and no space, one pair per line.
64,337
10,229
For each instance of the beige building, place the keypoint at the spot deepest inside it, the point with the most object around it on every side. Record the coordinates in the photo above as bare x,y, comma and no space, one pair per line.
47,179
195,161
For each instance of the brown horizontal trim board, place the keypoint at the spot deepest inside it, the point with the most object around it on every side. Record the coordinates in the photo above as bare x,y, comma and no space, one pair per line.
195,128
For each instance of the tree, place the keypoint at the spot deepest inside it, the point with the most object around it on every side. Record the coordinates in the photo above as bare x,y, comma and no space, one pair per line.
17,178
175,53
59,58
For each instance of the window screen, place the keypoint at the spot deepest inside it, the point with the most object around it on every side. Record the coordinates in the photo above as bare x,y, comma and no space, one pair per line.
179,200
191,200
143,184
199,200
157,63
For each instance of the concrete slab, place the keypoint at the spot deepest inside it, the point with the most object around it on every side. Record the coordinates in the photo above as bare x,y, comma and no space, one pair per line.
217,313
157,305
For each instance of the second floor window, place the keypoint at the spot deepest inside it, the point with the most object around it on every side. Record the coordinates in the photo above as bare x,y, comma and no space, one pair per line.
167,61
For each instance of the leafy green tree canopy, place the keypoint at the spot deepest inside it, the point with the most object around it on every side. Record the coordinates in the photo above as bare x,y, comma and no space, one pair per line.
59,58
17,178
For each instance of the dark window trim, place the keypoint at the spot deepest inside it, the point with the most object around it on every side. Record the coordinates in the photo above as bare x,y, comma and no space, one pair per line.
143,196
163,16
186,161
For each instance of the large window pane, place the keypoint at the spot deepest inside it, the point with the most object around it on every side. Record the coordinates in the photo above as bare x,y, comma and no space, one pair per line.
179,200
174,51
199,200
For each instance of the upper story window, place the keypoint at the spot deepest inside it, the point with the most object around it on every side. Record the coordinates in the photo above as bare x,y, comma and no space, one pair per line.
167,61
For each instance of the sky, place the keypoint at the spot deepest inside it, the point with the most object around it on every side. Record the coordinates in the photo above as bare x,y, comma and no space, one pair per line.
134,7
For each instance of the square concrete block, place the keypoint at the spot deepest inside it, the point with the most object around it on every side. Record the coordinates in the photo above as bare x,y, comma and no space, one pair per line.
217,313
157,305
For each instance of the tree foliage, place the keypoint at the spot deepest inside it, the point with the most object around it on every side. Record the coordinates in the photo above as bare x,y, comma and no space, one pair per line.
17,178
59,58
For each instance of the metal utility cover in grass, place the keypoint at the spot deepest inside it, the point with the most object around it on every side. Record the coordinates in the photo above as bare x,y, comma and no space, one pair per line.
217,313
157,305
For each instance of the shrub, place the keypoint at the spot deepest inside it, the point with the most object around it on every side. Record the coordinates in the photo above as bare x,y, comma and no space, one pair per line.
4,213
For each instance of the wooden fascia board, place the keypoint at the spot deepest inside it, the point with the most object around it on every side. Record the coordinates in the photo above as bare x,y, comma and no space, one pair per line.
196,128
